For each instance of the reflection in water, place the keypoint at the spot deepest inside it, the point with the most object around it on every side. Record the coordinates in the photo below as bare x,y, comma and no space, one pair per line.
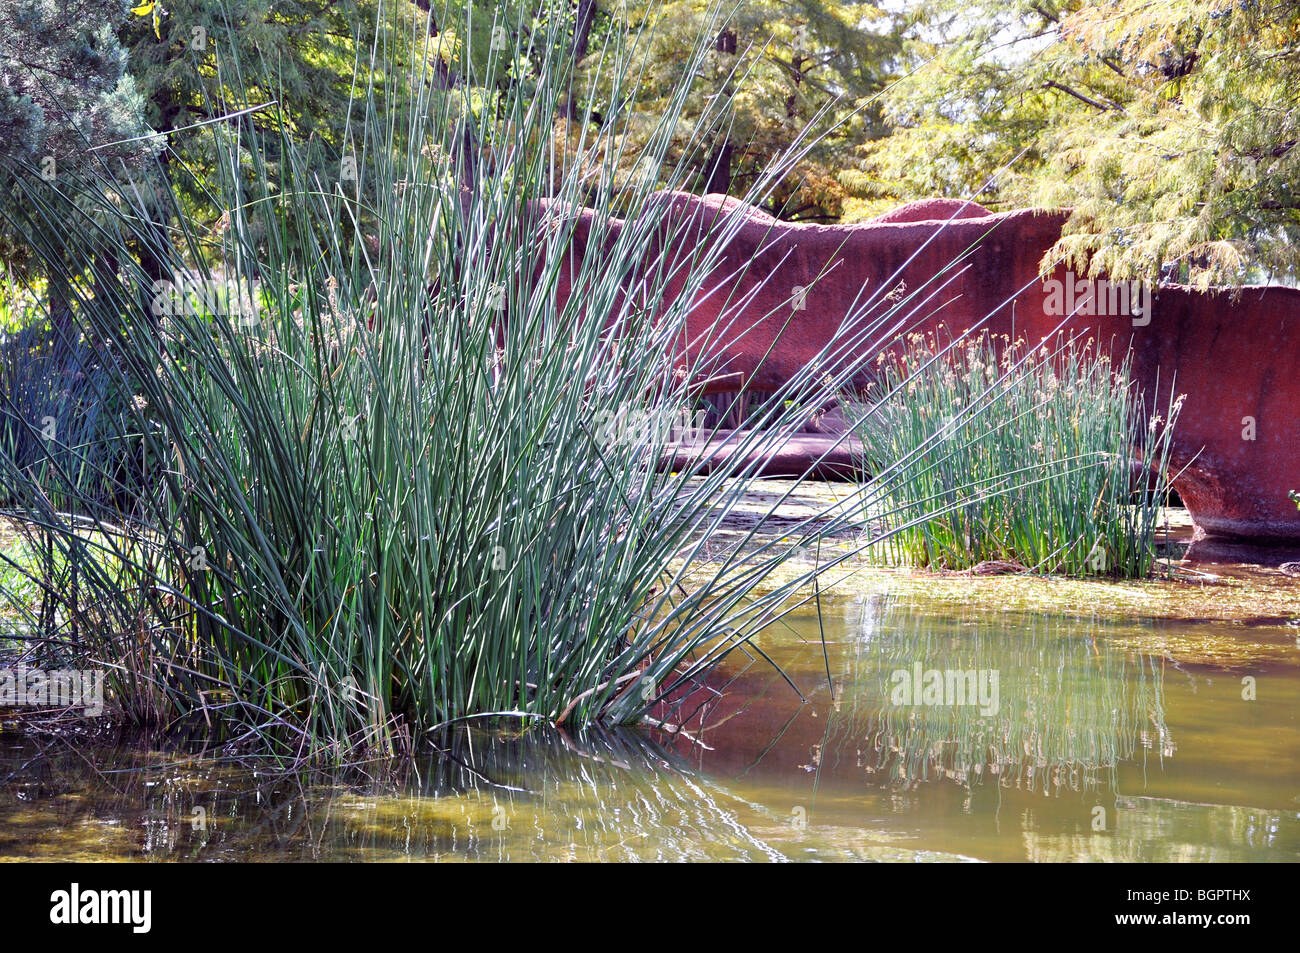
1158,829
1109,741
543,796
1063,706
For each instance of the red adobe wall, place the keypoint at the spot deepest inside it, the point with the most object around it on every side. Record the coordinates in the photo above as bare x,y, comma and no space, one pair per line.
1235,355
1237,358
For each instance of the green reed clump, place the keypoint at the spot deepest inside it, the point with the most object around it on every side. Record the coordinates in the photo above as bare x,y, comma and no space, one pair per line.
399,452
1042,457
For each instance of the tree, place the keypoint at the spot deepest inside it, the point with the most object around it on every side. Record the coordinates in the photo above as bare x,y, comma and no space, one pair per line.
1171,129
302,68
63,82
67,108
204,67
776,68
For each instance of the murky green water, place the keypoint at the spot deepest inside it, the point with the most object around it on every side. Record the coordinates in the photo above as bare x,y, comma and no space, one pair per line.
1103,742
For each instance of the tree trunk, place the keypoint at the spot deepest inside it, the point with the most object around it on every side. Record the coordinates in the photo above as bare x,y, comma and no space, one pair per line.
585,17
717,174
717,170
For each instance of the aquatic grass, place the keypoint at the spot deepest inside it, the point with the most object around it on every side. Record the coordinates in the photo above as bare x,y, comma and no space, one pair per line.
392,493
401,461
1039,457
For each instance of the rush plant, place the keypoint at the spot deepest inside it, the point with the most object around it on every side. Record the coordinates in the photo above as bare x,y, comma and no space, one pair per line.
407,472
400,452
1042,457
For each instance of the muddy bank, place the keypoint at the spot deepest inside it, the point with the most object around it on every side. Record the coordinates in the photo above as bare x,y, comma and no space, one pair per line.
1201,581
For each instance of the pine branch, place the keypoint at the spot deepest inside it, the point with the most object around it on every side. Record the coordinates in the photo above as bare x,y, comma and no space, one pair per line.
1104,107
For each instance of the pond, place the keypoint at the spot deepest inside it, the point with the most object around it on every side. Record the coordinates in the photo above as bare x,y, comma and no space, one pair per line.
1034,736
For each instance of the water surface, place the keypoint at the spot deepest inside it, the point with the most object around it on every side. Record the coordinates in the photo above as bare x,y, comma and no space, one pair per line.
1108,742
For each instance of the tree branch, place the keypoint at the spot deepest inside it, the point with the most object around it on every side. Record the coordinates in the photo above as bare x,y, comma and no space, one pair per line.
1096,104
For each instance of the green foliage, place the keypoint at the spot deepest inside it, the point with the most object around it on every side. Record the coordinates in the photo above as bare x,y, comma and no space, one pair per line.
63,81
304,72
808,71
20,302
1012,455
1171,129
67,104
298,73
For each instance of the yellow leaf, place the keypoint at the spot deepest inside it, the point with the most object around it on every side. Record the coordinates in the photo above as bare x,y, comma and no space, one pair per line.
144,9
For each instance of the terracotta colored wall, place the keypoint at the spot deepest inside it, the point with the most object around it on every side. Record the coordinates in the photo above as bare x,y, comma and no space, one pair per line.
1235,356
